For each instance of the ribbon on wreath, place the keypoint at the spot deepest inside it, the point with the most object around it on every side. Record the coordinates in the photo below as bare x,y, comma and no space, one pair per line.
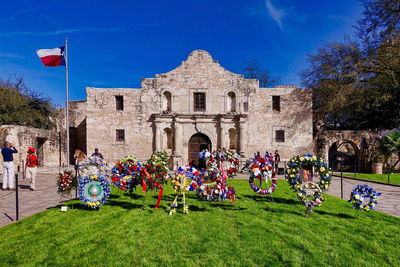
223,171
144,185
158,185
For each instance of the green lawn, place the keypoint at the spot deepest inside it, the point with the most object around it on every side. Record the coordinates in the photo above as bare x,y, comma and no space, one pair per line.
252,232
394,178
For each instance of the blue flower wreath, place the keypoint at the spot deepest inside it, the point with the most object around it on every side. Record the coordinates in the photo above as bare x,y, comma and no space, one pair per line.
93,189
361,193
295,181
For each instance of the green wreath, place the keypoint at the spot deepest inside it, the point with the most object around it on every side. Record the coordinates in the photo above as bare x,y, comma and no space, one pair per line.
310,193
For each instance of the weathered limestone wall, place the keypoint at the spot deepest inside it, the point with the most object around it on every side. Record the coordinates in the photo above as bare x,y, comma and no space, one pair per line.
23,137
294,117
200,73
233,104
103,120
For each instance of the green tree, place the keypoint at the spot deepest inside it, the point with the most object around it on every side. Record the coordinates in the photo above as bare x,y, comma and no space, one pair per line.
356,84
254,70
21,106
389,145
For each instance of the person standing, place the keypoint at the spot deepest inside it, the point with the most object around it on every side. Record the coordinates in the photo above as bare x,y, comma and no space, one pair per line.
207,154
97,154
31,167
277,160
201,159
8,166
79,157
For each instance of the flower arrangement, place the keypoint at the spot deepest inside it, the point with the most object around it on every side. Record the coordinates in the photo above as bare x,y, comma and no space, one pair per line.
183,180
155,173
93,189
262,168
364,198
157,167
227,157
307,191
126,173
211,183
66,182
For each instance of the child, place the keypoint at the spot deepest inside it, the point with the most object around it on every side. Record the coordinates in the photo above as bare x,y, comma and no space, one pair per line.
30,167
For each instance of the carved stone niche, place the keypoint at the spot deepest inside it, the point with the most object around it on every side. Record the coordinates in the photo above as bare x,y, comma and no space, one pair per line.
306,174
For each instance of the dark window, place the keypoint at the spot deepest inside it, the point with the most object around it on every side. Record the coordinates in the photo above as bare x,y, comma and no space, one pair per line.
280,136
246,106
120,135
276,103
120,102
199,101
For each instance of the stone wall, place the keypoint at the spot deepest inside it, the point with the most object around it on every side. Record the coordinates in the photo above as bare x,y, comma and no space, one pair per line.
237,111
294,117
48,144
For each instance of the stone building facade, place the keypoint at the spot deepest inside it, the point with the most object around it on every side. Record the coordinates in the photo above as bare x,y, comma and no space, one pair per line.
49,144
197,105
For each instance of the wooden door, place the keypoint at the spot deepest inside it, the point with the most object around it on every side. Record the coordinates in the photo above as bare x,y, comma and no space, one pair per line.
197,143
39,150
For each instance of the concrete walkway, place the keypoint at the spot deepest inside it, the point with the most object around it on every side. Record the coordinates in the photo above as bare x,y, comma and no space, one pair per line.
389,201
31,202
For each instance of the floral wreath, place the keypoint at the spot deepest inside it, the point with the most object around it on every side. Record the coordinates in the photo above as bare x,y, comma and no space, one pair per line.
126,173
157,167
184,179
66,182
309,193
228,157
361,193
211,183
262,168
155,173
93,189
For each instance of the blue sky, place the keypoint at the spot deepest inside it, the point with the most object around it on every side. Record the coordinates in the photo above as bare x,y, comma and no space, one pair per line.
116,43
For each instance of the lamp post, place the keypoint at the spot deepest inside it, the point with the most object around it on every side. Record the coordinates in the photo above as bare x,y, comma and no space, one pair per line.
340,158
388,168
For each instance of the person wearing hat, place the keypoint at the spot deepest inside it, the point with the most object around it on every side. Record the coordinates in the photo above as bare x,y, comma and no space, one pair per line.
97,154
30,167
8,166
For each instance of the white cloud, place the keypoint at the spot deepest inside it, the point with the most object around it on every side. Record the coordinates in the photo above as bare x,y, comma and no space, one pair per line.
275,13
10,55
58,32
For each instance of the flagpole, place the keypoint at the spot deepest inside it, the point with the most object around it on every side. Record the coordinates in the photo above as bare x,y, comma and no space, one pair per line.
66,105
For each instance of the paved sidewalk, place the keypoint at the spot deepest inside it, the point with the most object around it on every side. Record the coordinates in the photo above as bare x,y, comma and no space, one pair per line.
389,201
31,202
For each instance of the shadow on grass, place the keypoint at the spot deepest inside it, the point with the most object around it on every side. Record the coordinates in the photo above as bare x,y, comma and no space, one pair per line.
166,197
227,206
196,208
124,204
112,196
72,206
269,209
339,215
266,198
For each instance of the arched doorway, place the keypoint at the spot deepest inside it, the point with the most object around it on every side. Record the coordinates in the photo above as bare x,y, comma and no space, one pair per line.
197,143
344,154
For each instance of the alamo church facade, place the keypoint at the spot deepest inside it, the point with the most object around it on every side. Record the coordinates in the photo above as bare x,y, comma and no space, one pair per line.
197,105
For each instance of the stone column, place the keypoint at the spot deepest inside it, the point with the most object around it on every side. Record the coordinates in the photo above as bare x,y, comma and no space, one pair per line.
157,138
178,143
242,137
222,133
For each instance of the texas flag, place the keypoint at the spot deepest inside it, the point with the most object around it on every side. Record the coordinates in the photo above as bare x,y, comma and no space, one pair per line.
52,57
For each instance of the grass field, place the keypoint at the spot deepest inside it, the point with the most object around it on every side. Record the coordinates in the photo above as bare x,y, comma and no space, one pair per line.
393,179
252,232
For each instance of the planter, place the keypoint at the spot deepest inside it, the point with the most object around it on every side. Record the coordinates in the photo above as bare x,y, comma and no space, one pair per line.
377,168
